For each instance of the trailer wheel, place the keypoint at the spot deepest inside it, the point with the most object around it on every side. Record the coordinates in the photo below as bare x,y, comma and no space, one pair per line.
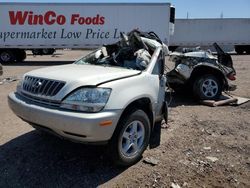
47,51
52,51
20,55
239,50
6,56
36,52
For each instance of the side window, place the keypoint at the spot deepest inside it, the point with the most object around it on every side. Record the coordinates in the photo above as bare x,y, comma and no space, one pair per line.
156,70
159,65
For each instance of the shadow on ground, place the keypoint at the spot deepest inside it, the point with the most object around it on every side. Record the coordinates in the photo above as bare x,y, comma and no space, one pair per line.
35,160
179,99
55,54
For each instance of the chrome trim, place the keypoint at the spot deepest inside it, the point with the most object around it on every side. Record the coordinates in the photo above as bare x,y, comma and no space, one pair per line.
41,101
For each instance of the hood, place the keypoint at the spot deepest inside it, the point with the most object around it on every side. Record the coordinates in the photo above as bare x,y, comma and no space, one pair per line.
83,74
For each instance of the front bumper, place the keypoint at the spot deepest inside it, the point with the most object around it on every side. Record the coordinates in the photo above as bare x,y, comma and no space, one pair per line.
78,126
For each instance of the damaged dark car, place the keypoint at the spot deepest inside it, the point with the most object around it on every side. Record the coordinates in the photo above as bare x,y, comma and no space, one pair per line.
201,73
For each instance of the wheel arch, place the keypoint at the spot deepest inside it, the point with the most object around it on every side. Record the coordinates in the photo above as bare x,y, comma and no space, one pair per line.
142,104
203,69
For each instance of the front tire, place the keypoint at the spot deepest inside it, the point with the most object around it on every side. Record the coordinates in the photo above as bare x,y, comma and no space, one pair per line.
207,87
130,138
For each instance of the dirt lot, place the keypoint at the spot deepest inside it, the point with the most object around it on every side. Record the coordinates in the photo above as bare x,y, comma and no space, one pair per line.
194,133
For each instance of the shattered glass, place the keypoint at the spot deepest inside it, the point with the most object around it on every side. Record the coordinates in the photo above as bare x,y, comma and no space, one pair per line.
133,51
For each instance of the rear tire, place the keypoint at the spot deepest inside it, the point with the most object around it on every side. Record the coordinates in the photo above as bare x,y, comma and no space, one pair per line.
207,87
130,138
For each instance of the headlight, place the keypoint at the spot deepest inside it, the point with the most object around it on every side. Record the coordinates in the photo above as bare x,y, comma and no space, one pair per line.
87,99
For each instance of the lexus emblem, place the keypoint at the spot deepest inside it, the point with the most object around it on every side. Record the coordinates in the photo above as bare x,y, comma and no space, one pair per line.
37,84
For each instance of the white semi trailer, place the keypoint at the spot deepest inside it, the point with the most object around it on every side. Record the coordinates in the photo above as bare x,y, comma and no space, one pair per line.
76,25
204,32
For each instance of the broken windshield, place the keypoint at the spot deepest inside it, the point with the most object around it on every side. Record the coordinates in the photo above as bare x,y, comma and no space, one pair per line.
133,51
125,57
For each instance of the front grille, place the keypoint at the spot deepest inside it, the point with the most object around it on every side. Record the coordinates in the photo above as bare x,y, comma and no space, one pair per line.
41,101
41,86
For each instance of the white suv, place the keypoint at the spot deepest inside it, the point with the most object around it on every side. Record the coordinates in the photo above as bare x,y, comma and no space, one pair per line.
114,95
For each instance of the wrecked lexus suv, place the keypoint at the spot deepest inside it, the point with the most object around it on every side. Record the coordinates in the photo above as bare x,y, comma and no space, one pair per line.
114,95
200,72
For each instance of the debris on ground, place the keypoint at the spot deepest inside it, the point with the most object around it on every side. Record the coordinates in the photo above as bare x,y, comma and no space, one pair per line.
188,152
213,159
175,185
207,148
241,100
226,99
9,80
157,179
151,160
214,103
185,184
164,125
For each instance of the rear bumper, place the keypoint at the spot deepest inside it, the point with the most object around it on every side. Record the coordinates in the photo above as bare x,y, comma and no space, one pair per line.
78,126
232,87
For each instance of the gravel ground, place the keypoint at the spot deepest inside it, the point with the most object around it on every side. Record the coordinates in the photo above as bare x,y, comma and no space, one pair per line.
200,147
